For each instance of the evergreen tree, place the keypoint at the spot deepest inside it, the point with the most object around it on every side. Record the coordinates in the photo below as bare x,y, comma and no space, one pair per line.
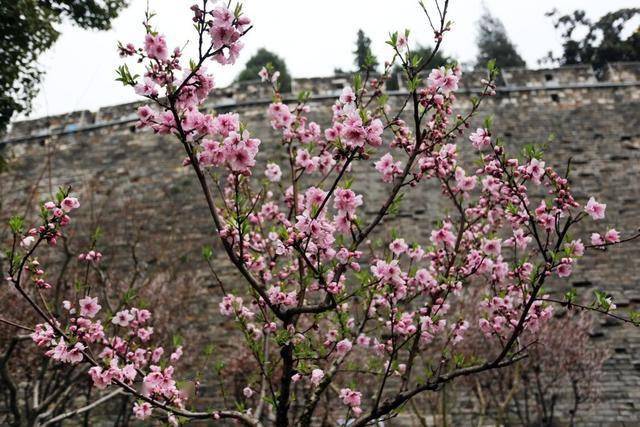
27,29
493,43
602,42
261,58
364,58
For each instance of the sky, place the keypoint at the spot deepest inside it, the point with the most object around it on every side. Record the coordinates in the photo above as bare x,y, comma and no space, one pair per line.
314,37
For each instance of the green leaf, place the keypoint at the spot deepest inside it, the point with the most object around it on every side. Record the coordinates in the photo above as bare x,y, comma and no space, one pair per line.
488,122
124,76
304,96
176,340
208,350
395,205
602,300
16,223
97,234
129,296
357,82
413,84
570,296
238,10
393,39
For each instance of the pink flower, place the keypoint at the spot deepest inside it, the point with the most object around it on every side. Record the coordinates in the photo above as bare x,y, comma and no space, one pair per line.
388,168
465,183
129,372
176,355
347,96
59,352
595,209
145,334
224,124
70,203
444,79
273,172
100,379
222,16
492,246
275,77
148,88
596,239
374,133
146,116
343,347
280,116
398,247
26,242
89,307
535,168
122,318
401,42
612,236
388,272
576,247
142,410
247,392
480,138
316,376
443,235
354,134
350,397
75,355
142,315
346,201
157,354
263,74
564,269
156,47
43,335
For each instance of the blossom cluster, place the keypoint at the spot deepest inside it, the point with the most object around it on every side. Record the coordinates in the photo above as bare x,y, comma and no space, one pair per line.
315,231
117,349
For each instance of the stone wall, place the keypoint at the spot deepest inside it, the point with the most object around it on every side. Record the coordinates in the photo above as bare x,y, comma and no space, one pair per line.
137,176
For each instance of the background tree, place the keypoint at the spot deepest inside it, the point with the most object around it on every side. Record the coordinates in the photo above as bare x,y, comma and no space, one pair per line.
603,41
27,28
364,58
493,43
261,58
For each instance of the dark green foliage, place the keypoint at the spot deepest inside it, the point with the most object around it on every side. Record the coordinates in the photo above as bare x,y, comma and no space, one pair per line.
425,54
493,43
27,28
261,58
603,41
364,58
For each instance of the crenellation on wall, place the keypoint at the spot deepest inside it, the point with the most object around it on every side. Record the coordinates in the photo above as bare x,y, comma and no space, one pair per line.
622,72
549,77
566,86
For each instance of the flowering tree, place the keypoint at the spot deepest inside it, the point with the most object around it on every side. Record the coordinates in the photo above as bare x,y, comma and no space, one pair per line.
333,307
38,390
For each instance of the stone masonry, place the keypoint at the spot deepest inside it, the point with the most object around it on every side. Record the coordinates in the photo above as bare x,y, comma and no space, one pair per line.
139,175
